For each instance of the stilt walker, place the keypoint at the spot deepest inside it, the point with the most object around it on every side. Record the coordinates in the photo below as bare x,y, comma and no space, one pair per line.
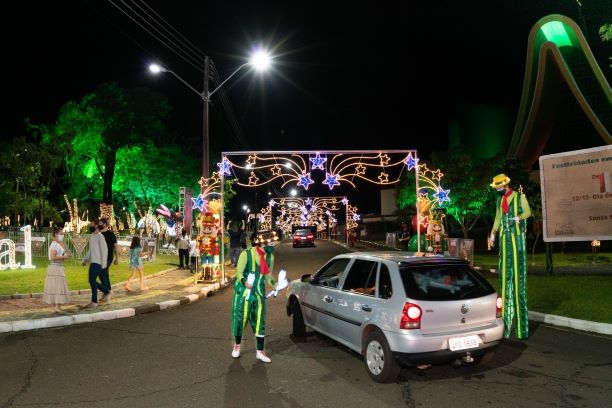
249,304
511,216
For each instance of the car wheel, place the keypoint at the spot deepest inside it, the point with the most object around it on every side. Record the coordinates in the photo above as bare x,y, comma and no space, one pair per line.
378,358
299,328
484,358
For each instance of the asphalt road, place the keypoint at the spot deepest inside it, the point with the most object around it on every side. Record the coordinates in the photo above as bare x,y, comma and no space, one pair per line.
181,358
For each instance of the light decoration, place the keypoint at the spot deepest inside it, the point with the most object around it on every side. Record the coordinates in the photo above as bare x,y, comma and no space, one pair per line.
254,169
7,251
351,216
199,202
7,255
310,211
431,195
76,222
317,162
27,243
209,187
106,211
442,195
224,168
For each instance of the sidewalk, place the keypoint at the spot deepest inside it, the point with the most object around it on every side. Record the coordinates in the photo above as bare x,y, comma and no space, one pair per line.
553,320
167,289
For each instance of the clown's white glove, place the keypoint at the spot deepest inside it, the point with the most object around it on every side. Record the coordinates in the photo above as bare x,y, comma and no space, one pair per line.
491,241
250,280
283,282
515,219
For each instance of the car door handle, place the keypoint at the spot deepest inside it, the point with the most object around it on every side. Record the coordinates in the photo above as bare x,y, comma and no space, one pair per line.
328,299
366,308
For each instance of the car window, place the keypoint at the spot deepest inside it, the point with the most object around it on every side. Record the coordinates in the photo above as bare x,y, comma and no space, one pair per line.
443,282
361,277
385,289
331,273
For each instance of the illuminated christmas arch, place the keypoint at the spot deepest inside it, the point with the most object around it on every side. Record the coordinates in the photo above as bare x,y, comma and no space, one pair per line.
302,169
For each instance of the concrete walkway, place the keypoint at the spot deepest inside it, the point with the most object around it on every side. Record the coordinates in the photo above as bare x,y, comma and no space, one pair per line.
166,289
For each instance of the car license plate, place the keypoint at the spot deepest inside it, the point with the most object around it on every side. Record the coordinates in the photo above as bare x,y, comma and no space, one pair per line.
463,343
303,238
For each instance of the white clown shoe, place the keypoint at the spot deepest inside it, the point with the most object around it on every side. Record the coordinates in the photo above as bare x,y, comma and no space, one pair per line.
236,351
261,355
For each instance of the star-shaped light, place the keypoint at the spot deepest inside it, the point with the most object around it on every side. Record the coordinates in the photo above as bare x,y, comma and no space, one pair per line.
308,201
411,162
203,182
384,159
276,170
356,217
216,177
345,201
253,179
251,160
271,203
305,180
199,202
360,169
442,195
437,175
317,162
313,208
331,180
283,212
224,167
383,177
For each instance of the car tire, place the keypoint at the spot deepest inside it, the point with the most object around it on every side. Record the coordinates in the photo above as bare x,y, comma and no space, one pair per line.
379,361
299,328
484,358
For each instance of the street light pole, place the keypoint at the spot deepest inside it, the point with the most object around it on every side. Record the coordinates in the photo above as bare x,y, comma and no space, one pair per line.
205,98
260,61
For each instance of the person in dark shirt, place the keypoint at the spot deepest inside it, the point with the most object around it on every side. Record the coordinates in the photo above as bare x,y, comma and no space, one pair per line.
113,251
404,237
235,232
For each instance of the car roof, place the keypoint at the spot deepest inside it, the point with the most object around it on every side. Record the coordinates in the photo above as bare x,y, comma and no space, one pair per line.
409,257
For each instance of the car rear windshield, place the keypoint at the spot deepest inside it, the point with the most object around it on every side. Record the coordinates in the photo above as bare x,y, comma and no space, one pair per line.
443,282
303,232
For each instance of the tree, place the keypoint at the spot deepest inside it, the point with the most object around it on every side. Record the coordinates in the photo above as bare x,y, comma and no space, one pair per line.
93,130
468,179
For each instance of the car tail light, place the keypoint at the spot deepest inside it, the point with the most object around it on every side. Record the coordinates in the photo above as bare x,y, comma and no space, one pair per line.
411,316
498,306
310,236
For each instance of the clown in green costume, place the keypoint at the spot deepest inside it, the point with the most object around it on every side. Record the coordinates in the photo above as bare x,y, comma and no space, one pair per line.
253,271
511,215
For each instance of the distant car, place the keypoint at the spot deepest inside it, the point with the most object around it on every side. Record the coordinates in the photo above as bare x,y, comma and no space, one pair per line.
303,237
397,309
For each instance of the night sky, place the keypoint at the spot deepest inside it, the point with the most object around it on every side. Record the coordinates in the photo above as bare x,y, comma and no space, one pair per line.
362,75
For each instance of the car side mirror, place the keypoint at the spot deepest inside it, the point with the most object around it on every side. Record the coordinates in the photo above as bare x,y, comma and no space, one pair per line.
306,278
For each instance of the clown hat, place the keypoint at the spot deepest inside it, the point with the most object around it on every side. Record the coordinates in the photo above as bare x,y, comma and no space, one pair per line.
500,180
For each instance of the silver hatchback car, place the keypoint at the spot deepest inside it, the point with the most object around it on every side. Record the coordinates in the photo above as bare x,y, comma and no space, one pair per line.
396,309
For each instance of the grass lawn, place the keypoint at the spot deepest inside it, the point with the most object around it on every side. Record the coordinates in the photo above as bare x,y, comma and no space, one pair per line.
578,297
490,259
33,280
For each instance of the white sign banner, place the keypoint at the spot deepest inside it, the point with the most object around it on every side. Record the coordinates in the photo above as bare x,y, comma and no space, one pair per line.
577,195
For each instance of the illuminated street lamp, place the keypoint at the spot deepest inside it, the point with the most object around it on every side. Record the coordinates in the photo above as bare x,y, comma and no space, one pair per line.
260,60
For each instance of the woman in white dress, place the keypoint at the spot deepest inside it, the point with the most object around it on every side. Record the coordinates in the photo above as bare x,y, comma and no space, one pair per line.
56,289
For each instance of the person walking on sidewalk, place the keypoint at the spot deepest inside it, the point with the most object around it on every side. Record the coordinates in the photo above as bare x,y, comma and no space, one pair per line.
113,249
183,250
235,232
56,289
249,303
512,211
97,256
136,264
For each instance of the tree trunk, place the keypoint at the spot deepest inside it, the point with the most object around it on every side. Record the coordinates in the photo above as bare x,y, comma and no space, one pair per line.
109,173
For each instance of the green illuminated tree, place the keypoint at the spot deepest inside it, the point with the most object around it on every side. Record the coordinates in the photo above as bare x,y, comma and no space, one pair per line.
93,130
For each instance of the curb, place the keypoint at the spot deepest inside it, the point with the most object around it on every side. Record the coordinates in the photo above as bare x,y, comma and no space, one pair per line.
49,322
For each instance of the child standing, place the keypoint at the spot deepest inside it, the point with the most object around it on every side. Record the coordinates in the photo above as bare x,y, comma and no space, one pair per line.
136,264
56,288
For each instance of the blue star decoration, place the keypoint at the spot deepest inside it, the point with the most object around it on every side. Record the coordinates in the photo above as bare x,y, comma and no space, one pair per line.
411,162
331,180
317,162
224,167
442,195
305,181
199,202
